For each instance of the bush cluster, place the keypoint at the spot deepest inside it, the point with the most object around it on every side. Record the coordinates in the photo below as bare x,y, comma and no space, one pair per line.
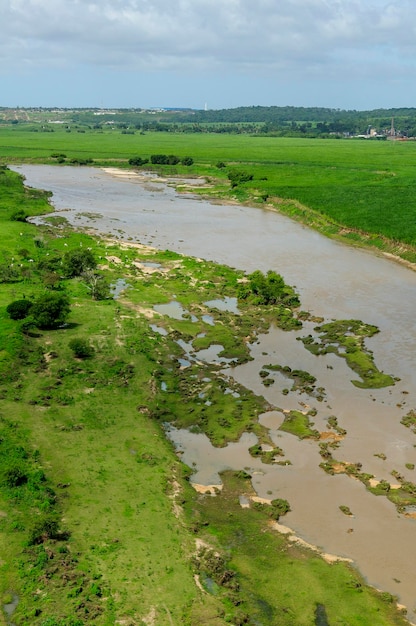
268,289
50,310
138,161
162,159
236,177
19,309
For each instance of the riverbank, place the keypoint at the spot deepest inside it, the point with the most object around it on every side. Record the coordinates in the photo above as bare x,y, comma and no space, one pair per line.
126,401
214,192
355,187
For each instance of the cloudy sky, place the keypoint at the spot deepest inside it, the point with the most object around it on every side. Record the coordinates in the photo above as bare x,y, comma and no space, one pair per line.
348,54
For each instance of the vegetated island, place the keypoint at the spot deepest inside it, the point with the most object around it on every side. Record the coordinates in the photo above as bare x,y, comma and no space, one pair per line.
99,522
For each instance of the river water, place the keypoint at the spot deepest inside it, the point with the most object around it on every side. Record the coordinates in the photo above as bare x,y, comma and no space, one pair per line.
334,281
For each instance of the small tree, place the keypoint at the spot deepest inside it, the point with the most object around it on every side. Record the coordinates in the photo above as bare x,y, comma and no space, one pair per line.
78,261
50,310
187,161
100,289
19,309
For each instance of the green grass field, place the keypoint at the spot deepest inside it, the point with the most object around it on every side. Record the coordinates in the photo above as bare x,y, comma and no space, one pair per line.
360,185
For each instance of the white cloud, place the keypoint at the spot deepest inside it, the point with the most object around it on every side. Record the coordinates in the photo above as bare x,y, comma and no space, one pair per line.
140,33
303,40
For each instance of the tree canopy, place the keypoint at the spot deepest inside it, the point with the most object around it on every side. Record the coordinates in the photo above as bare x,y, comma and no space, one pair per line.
78,261
50,310
268,289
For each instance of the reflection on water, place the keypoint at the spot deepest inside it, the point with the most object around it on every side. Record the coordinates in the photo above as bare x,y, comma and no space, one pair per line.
208,319
171,309
333,281
225,304
215,460
118,287
158,329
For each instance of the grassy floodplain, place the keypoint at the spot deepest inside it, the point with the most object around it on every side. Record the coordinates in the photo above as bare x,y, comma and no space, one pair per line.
99,524
87,435
359,190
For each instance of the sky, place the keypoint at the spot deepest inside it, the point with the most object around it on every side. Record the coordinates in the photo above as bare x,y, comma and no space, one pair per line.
215,54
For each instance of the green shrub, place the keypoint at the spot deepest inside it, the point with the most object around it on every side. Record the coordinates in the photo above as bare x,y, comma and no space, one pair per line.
19,309
159,159
44,528
279,507
24,253
81,348
138,161
28,326
236,177
51,263
268,289
79,161
345,509
9,273
15,475
39,242
19,216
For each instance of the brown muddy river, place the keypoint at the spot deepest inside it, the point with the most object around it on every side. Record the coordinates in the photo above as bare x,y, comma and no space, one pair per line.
335,282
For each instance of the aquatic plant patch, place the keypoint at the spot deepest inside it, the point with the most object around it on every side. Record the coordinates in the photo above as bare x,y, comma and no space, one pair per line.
299,424
303,382
345,338
403,495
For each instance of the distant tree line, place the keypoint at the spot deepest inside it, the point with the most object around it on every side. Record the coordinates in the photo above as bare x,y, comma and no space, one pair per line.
273,120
